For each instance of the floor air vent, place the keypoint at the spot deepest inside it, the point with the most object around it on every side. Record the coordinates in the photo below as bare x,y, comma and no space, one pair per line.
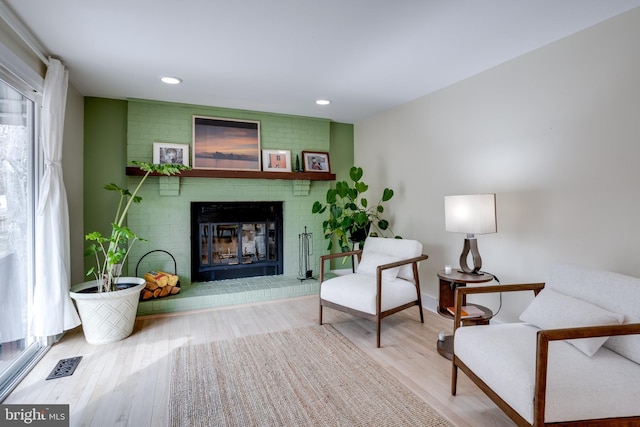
64,368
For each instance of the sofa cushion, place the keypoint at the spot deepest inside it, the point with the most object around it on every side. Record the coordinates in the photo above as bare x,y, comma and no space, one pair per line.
579,387
553,310
628,345
371,260
608,290
358,291
397,248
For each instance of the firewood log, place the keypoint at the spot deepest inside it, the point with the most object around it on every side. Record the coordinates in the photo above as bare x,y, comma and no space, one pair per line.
158,277
173,279
152,286
146,294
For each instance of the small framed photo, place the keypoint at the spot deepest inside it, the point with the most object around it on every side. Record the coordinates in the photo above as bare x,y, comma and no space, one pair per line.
276,160
316,161
226,144
164,153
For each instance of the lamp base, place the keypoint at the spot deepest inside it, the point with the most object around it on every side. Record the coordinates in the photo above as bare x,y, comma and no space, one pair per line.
472,273
470,245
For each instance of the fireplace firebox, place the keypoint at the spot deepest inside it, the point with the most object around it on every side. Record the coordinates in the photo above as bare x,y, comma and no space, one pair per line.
235,239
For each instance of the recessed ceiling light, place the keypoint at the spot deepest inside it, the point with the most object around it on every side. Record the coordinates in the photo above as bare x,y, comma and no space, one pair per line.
171,80
323,102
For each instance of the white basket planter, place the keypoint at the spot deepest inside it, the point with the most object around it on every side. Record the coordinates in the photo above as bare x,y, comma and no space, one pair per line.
107,316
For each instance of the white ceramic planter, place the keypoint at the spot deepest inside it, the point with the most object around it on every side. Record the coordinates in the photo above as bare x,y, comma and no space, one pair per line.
107,316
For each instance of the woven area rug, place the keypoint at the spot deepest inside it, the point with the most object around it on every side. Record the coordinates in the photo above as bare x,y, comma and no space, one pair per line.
310,376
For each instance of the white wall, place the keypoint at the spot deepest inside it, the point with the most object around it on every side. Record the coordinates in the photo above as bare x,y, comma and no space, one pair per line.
555,134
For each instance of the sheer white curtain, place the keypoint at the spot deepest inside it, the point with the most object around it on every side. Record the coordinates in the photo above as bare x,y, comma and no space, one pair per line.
53,310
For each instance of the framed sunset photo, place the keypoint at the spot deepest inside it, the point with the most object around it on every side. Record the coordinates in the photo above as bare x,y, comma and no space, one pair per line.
227,144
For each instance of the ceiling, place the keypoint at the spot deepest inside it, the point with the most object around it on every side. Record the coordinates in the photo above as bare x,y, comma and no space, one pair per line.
279,56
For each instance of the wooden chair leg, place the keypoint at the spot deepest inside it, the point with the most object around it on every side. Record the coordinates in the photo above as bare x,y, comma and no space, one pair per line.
421,315
320,315
454,377
378,324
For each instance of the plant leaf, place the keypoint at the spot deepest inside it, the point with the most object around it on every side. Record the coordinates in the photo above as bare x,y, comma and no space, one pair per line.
164,169
387,194
95,235
317,208
352,193
331,195
355,173
351,206
342,189
361,218
361,187
112,187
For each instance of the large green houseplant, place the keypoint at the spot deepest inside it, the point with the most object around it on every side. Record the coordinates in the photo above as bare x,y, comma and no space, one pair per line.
350,215
112,252
108,304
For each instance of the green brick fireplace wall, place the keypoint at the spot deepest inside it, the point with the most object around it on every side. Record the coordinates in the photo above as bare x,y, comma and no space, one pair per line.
117,129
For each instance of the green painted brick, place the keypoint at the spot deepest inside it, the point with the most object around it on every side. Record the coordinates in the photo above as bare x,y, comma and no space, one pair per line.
165,220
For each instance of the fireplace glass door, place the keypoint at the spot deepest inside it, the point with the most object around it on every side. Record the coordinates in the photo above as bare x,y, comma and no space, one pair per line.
236,239
234,244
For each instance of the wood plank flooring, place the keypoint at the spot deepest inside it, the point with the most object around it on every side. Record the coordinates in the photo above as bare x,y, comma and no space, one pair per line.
127,383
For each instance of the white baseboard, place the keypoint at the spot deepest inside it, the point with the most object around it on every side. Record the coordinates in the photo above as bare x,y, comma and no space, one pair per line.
429,303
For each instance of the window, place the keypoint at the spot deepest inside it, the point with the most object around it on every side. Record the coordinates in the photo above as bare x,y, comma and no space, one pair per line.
18,178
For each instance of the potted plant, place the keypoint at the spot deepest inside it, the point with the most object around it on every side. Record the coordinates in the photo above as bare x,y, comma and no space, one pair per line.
350,216
108,304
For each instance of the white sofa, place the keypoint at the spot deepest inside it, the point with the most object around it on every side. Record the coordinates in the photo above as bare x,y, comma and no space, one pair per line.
540,376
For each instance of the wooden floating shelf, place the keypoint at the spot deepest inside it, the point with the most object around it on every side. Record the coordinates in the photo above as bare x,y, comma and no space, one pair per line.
205,173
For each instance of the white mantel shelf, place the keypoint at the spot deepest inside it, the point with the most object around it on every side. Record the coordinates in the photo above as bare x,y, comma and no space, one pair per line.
206,173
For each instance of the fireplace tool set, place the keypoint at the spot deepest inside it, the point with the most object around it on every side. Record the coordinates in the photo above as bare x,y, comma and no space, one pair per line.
305,248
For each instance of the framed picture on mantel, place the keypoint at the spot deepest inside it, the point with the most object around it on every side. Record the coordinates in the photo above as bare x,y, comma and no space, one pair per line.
226,144
164,153
316,161
276,160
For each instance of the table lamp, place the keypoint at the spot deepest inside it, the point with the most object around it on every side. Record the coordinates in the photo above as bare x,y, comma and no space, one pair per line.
470,214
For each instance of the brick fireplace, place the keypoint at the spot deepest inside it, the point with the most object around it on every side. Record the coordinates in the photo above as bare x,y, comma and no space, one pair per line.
164,217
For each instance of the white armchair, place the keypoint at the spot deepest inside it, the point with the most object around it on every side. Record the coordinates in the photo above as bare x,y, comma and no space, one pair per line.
385,282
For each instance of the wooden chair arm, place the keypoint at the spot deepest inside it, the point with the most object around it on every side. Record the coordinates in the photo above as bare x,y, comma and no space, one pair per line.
402,262
542,355
535,287
589,332
380,268
461,291
340,254
324,258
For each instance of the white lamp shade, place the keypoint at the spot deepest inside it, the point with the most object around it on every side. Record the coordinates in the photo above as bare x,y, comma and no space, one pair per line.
470,214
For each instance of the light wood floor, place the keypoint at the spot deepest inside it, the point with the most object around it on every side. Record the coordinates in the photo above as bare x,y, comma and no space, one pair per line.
127,383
